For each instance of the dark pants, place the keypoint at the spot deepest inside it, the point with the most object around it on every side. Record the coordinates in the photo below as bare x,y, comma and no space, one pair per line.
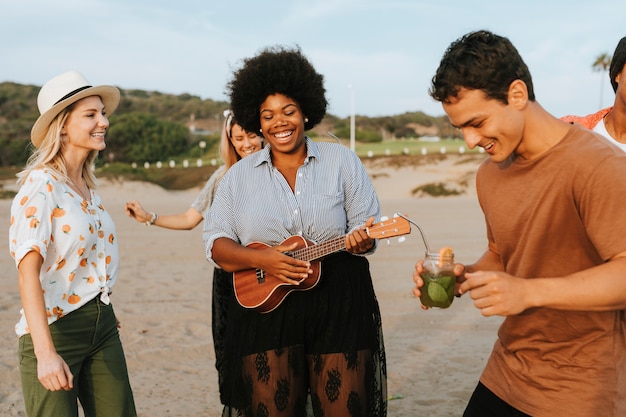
88,340
485,403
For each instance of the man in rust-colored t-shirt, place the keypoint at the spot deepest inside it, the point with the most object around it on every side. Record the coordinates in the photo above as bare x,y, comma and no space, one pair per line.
557,215
553,198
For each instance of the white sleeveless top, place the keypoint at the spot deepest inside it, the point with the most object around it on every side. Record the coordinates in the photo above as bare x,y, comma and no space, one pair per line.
601,129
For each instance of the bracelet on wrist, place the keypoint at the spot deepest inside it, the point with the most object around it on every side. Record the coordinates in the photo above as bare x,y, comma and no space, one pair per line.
153,219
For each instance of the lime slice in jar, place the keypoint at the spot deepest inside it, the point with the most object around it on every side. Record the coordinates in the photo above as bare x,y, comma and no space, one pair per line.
437,293
446,281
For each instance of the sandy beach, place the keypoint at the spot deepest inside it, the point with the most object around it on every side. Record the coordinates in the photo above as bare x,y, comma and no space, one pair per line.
163,300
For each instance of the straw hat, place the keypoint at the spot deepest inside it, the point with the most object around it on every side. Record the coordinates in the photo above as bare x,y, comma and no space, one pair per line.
64,90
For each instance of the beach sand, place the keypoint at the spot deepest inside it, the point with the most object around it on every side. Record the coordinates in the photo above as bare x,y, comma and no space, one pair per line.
163,299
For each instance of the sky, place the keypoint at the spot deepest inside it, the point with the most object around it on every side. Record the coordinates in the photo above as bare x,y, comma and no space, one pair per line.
377,57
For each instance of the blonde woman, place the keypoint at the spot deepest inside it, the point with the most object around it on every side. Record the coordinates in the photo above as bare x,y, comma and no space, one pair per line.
65,248
235,144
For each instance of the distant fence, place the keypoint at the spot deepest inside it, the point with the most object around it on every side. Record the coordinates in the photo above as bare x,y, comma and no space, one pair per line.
363,150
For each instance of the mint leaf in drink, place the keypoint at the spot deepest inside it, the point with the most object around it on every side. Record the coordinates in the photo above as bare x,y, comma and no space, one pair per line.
437,293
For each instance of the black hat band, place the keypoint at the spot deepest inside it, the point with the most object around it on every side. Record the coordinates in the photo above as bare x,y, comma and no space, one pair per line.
68,95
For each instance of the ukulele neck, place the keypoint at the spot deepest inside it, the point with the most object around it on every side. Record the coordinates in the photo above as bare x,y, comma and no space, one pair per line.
311,253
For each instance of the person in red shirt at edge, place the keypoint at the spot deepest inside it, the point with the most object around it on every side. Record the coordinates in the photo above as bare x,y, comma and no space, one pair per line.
611,121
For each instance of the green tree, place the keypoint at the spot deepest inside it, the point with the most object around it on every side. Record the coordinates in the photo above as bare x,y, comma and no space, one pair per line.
602,64
15,141
140,137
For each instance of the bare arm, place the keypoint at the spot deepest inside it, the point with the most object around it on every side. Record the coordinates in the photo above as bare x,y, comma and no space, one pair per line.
489,261
601,288
232,257
181,221
52,371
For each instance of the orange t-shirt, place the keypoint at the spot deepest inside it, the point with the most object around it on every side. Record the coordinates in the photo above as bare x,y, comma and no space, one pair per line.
560,213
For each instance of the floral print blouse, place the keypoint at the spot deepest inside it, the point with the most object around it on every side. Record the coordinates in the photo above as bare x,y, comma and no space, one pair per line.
75,237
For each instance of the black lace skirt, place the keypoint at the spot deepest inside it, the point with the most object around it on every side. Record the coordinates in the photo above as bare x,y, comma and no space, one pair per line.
222,302
321,351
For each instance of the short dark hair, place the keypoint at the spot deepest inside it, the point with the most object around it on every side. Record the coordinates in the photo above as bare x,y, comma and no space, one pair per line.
480,60
277,70
617,62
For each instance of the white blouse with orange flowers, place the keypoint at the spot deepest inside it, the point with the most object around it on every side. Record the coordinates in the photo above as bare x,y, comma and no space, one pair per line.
75,237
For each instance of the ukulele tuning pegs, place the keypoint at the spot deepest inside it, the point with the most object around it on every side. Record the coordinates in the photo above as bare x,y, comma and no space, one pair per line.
384,218
401,239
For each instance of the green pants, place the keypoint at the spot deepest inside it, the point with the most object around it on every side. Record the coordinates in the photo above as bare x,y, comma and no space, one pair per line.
88,340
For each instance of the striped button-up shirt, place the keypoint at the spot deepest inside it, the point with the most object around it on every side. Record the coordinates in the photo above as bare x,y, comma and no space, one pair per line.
333,195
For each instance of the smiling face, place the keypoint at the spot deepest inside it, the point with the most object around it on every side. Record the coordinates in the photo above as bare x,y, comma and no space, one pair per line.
282,124
86,125
494,126
245,143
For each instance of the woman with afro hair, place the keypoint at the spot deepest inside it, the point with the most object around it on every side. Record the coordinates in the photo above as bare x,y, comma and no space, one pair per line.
324,344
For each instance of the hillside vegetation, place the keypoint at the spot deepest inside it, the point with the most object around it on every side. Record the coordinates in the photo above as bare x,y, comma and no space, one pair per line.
150,126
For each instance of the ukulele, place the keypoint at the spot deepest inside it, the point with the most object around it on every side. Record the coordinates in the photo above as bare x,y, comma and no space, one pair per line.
263,292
